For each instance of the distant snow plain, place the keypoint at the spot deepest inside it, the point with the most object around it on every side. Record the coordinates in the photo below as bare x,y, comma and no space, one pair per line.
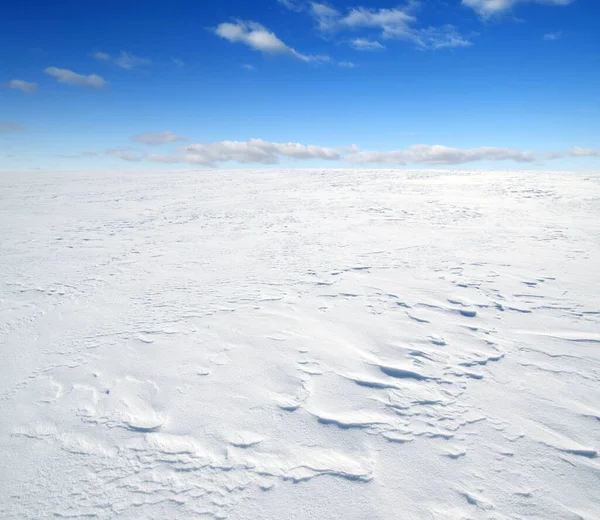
300,345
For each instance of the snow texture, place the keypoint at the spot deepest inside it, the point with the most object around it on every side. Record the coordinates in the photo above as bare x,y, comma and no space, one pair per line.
300,344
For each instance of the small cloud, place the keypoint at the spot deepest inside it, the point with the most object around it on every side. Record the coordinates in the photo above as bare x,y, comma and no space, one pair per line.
22,85
72,78
156,138
292,5
10,126
128,61
444,37
327,17
346,64
489,8
553,36
125,60
364,44
392,24
259,38
178,62
440,155
247,66
577,151
76,155
123,154
167,159
102,56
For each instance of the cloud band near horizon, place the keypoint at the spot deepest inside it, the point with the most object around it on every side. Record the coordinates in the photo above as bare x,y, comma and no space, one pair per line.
258,151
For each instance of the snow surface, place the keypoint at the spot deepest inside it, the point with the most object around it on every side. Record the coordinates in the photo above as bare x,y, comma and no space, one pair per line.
300,345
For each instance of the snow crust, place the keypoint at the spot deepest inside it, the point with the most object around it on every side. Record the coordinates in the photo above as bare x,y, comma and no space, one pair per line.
300,344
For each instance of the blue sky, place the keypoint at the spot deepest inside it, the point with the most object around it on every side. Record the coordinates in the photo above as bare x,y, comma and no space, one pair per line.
499,84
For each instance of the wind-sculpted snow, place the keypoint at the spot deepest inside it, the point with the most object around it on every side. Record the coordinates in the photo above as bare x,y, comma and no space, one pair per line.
300,344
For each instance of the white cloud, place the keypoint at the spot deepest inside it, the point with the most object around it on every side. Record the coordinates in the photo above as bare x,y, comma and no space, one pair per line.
259,38
76,155
128,61
169,159
364,44
155,138
102,56
576,151
178,62
393,22
125,60
489,8
397,23
327,17
440,155
292,5
72,78
247,66
265,152
346,64
123,154
10,126
440,38
20,84
553,36
252,151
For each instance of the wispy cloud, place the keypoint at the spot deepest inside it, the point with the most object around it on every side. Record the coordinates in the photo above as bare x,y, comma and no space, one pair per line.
346,64
102,56
553,36
442,37
10,126
489,8
128,61
178,62
20,84
76,155
392,24
252,151
576,151
440,155
364,44
247,66
125,60
72,78
261,39
292,5
156,138
123,154
327,17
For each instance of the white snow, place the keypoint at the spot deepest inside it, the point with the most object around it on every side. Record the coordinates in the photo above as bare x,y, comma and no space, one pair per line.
300,344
